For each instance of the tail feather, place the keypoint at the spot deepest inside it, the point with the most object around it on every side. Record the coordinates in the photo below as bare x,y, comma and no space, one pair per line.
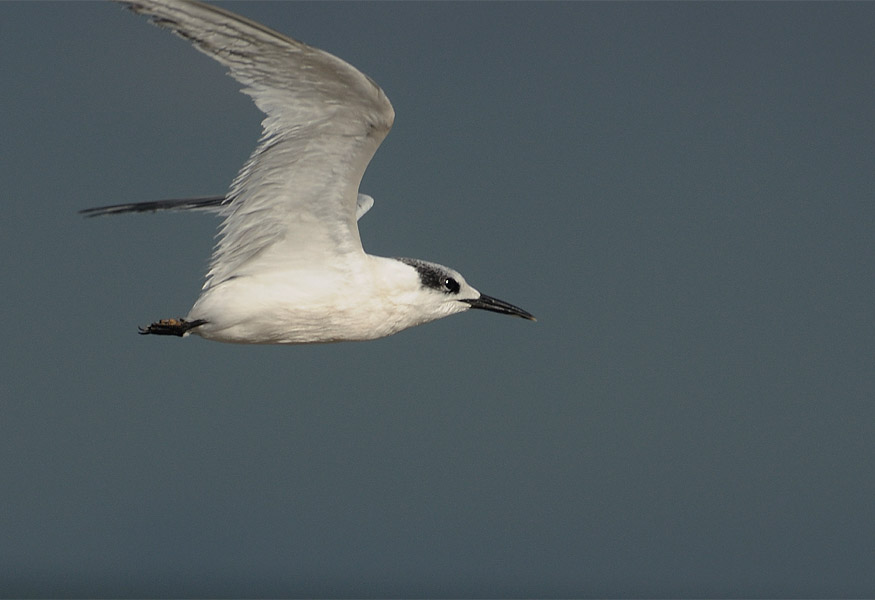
210,203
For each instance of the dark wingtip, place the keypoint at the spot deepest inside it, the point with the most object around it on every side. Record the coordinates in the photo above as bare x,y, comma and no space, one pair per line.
197,203
90,213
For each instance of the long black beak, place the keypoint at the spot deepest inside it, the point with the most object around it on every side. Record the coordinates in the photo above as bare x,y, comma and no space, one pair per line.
500,306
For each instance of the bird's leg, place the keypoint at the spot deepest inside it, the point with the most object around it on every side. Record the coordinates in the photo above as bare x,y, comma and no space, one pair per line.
177,327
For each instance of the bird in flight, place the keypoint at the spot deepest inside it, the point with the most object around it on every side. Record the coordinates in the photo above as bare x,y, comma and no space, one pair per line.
289,267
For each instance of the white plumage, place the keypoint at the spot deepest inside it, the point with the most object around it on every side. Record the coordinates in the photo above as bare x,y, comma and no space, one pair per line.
289,265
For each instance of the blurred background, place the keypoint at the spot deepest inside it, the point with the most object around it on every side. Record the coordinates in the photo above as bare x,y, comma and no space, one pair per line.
681,192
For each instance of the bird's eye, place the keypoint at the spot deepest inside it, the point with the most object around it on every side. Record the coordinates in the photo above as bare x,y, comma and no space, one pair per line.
451,285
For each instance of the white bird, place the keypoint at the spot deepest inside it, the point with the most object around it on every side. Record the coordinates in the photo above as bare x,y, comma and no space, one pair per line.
289,267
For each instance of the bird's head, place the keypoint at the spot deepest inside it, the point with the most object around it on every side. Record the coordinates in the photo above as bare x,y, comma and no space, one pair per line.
441,291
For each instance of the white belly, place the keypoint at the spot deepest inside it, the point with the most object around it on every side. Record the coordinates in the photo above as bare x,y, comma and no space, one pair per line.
304,307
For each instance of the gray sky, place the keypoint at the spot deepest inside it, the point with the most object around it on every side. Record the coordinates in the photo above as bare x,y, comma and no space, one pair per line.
681,192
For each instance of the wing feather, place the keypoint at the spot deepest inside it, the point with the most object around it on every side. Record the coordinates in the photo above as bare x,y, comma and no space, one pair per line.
295,198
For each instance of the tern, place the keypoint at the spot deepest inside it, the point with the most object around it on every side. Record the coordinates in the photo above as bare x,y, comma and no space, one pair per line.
289,267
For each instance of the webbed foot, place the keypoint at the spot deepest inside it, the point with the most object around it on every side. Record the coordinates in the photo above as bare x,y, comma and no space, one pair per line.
177,327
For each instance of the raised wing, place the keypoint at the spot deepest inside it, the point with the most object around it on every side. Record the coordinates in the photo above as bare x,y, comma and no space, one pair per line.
294,201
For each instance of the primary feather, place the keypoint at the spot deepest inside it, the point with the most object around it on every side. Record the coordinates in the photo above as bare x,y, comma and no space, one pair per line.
207,203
